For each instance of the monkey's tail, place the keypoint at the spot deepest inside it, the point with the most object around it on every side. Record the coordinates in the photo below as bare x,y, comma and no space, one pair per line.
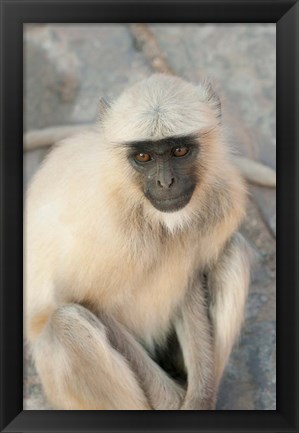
255,172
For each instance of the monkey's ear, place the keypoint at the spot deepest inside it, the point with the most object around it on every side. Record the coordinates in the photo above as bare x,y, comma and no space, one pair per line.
104,106
211,98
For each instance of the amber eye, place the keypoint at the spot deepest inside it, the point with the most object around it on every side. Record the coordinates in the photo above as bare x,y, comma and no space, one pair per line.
143,157
180,151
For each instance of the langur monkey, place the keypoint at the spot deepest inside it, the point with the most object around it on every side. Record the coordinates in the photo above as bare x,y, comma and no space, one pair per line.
135,276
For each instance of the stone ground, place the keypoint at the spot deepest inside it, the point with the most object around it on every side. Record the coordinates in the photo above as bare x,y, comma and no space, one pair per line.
66,70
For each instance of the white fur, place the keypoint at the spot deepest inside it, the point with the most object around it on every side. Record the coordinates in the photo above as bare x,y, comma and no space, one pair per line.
92,237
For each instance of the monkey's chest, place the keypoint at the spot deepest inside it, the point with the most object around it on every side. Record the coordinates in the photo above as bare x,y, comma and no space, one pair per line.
148,306
142,289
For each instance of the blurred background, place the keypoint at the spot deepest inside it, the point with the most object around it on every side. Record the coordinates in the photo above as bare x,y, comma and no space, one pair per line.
67,68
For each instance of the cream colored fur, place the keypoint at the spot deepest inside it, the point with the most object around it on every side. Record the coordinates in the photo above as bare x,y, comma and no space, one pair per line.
92,237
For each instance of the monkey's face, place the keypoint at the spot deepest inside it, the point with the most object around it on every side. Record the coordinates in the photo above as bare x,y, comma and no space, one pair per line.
153,125
166,170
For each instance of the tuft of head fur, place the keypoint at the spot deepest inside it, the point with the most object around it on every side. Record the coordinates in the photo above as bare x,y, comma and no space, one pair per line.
158,107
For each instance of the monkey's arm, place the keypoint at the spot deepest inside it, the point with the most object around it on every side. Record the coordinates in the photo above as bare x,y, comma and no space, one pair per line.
195,337
161,390
207,344
228,283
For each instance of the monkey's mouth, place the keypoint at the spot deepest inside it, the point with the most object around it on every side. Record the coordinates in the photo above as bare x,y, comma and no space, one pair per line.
171,204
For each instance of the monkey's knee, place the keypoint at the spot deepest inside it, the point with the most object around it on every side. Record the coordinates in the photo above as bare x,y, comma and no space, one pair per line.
78,367
74,321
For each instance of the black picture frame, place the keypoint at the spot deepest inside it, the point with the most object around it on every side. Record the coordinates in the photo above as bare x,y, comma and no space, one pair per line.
285,14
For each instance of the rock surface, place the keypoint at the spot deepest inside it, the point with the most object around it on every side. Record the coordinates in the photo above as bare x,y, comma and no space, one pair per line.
69,67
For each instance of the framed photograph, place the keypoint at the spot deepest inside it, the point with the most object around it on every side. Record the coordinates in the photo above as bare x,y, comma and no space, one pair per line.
64,67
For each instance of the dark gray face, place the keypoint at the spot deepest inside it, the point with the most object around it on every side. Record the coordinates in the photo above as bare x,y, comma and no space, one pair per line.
166,170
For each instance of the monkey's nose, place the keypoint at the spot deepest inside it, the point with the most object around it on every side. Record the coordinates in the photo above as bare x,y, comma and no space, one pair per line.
166,183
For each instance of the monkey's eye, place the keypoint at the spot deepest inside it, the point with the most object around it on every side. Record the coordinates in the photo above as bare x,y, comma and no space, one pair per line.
180,151
143,157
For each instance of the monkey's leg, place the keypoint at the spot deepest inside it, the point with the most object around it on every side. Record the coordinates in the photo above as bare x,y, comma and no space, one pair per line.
79,368
195,337
161,390
228,285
